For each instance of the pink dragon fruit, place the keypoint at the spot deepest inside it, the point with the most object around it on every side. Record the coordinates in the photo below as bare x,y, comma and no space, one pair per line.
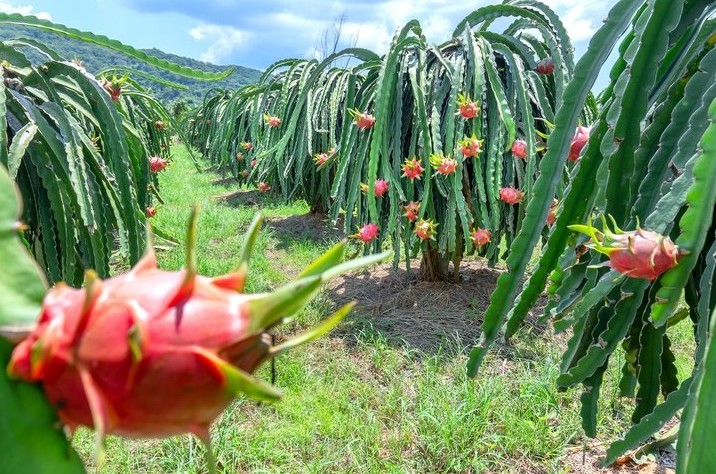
546,66
412,209
247,146
263,187
444,165
426,229
638,253
363,120
239,156
157,164
367,233
154,353
470,147
245,174
468,108
150,212
272,121
254,163
519,149
412,169
511,195
381,187
480,237
159,125
581,137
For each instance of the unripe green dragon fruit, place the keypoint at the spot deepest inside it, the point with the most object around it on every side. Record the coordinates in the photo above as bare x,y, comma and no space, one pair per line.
155,353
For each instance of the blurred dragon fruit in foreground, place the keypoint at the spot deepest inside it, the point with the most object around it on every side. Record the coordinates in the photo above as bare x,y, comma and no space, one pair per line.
638,253
154,353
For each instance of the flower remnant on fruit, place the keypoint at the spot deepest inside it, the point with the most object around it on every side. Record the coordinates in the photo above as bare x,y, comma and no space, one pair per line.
426,229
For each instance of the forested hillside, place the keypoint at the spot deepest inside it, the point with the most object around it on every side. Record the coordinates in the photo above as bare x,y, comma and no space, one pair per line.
96,58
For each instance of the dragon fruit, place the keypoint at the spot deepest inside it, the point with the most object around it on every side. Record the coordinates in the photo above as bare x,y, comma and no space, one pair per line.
546,66
264,187
272,121
470,147
150,212
362,120
157,164
247,146
581,137
638,253
254,163
113,88
412,169
320,159
154,353
381,187
480,237
511,195
426,229
519,149
444,165
245,174
367,233
552,216
239,156
412,209
468,108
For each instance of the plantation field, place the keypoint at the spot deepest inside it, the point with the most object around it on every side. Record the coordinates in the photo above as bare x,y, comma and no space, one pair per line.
381,394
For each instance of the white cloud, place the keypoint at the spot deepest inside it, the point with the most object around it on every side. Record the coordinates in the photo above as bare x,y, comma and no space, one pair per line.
23,10
225,40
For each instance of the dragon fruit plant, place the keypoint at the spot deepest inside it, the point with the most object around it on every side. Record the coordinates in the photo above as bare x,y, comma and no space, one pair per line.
155,353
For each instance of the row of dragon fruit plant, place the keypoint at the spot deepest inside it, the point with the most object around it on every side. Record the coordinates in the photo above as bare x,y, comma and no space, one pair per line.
427,147
632,253
83,151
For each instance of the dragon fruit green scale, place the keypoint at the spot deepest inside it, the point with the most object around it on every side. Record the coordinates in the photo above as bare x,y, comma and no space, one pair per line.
155,353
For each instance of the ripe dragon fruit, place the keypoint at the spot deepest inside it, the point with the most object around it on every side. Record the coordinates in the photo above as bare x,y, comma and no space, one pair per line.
426,229
412,169
363,120
412,209
638,253
239,156
247,146
468,108
511,195
470,147
150,212
272,121
264,187
519,149
245,174
159,125
367,233
444,165
546,66
113,88
254,163
381,187
480,237
157,164
154,353
581,137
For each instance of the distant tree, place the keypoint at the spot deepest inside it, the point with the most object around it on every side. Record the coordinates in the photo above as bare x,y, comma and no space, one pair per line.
331,39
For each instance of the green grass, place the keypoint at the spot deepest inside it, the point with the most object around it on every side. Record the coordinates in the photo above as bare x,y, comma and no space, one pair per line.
357,403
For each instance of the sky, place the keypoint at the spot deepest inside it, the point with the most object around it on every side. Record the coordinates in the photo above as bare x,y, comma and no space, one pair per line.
258,33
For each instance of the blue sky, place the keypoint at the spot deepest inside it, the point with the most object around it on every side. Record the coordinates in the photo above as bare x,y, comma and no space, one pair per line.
257,33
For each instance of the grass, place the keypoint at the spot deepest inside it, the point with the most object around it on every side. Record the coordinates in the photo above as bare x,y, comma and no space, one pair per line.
357,403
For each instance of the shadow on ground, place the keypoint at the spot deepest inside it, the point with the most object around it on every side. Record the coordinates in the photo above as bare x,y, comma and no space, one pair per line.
306,227
405,311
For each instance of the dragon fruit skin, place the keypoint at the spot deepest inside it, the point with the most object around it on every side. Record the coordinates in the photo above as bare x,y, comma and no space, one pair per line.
581,137
154,353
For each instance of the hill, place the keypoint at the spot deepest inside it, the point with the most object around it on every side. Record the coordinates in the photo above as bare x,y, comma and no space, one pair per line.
96,58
